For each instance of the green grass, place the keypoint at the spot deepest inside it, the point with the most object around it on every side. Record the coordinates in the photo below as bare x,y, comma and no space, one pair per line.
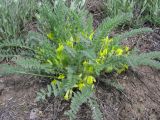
14,15
144,11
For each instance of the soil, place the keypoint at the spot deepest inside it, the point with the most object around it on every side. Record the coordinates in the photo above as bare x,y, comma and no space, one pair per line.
140,99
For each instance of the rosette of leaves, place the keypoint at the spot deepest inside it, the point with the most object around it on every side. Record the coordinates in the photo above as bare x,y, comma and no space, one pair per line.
72,54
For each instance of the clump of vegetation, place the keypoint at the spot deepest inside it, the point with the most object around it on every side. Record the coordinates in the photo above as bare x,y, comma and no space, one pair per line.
143,11
71,54
115,7
15,14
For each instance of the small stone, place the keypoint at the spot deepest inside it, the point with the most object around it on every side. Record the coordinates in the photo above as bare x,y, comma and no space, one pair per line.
34,114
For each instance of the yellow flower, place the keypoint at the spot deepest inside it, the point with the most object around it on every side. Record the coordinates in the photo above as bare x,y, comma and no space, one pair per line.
50,36
126,48
119,71
80,86
85,63
107,40
54,82
61,76
60,48
70,44
91,35
89,69
68,94
98,60
103,53
90,80
84,34
119,51
125,66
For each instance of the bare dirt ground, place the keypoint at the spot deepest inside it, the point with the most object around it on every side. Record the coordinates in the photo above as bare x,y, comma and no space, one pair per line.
140,99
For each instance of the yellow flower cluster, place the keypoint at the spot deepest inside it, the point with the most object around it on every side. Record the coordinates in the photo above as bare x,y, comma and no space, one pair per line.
88,36
104,50
50,36
70,42
87,67
68,94
107,40
103,53
61,76
119,52
60,48
88,80
86,77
